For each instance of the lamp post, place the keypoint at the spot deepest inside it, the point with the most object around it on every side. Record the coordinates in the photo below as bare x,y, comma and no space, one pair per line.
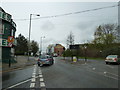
30,32
41,45
85,53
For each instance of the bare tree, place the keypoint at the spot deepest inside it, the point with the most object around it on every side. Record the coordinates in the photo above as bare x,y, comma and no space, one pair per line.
70,39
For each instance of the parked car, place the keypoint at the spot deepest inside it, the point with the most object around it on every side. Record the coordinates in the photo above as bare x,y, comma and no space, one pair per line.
112,59
45,59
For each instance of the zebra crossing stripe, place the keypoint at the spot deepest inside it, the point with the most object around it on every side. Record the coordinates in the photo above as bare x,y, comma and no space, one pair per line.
42,84
41,79
32,85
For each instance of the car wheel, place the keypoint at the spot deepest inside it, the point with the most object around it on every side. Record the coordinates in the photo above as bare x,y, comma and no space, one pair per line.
38,64
52,62
106,62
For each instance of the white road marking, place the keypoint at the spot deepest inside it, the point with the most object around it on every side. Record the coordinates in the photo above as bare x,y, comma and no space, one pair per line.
32,85
93,68
111,77
41,79
105,72
33,75
40,72
19,83
34,70
33,79
40,76
113,74
42,84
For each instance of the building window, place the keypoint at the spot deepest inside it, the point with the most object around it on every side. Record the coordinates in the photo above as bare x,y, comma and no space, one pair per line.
0,14
4,16
12,32
1,28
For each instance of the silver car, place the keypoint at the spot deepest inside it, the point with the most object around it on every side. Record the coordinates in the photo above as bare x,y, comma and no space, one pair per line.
112,59
45,59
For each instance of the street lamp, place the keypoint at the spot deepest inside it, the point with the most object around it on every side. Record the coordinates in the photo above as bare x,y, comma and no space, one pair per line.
85,53
41,45
30,32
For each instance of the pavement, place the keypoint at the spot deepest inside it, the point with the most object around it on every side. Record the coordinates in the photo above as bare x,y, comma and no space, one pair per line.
69,60
22,61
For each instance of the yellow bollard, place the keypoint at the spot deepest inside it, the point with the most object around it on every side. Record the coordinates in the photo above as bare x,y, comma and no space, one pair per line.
74,59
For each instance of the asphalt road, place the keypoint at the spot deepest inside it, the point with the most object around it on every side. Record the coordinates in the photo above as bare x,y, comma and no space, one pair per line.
95,74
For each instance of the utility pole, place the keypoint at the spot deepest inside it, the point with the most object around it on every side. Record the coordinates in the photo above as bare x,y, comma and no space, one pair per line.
30,32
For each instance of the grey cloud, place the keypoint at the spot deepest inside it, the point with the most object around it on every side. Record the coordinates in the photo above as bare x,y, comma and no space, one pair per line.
85,25
47,25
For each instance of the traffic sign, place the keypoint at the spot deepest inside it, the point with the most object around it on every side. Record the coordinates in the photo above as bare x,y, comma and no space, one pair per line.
3,42
10,39
10,44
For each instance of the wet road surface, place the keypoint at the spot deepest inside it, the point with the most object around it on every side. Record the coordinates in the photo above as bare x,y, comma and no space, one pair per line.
61,74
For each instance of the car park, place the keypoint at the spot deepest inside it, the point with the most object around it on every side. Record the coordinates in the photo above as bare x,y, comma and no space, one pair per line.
45,59
112,59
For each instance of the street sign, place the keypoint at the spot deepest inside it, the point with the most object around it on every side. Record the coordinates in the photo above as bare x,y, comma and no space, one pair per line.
10,44
74,46
10,39
3,42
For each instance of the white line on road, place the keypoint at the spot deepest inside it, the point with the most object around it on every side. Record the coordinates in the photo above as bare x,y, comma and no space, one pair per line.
93,68
34,73
32,85
40,76
104,74
41,79
113,74
110,77
40,72
19,83
42,84
33,79
33,76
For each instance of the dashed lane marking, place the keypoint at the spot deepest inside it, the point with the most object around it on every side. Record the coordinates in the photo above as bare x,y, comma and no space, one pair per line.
33,80
40,72
113,74
42,84
40,76
21,83
33,75
93,68
32,85
41,79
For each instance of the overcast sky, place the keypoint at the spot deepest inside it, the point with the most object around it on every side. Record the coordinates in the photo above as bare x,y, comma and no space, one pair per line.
57,29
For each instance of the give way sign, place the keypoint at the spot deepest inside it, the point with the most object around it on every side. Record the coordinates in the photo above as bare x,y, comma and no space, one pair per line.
10,39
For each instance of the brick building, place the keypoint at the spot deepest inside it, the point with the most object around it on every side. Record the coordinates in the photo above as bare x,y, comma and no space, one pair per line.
59,49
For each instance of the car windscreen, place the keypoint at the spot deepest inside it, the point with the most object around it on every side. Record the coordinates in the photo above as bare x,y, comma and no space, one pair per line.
112,56
43,57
